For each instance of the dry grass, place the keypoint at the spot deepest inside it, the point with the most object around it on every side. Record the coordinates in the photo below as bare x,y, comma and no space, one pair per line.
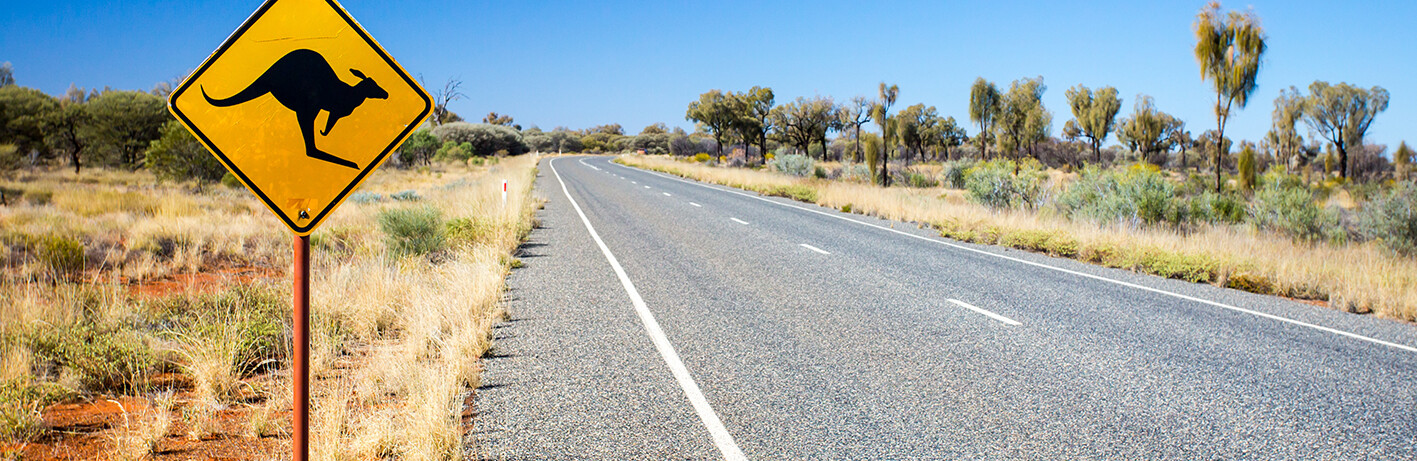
142,430
397,342
1355,277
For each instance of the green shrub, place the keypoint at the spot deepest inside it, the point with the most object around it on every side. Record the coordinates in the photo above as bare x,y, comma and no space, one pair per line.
1137,196
469,230
1216,208
856,172
63,257
703,157
102,358
1392,219
792,164
406,196
177,155
1293,212
995,185
481,139
453,152
365,197
230,180
20,404
796,192
819,172
955,173
914,179
259,314
412,231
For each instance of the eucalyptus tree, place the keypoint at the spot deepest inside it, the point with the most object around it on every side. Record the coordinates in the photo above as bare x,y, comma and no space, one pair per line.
947,133
1023,122
1094,114
716,112
853,114
1342,114
756,118
880,112
984,104
916,127
1228,50
1288,109
1148,131
1182,140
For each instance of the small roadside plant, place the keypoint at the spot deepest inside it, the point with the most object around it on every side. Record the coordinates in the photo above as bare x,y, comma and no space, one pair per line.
995,185
792,164
1293,211
412,231
1392,219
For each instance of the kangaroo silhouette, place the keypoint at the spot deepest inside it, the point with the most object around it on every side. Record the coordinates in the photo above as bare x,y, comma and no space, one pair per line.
304,82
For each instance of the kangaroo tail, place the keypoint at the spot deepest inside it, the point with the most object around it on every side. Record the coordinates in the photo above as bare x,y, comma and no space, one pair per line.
251,92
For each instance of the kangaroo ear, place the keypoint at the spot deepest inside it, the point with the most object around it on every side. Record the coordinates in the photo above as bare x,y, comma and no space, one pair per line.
357,73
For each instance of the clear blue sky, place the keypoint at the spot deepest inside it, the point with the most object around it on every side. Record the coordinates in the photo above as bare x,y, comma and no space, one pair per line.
578,64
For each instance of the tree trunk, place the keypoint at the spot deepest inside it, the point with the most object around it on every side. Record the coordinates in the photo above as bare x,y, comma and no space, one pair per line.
856,156
1342,161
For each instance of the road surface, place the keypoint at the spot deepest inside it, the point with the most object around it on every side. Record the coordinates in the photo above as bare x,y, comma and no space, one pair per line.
661,318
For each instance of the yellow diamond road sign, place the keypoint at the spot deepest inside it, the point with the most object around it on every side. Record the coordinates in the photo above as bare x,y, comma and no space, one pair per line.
302,105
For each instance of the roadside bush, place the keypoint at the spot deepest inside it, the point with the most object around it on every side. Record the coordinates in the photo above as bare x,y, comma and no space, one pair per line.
365,197
955,173
1214,208
856,172
1293,212
1133,197
995,185
178,156
916,179
702,157
412,231
63,257
792,164
406,196
1392,219
101,358
453,152
469,230
481,139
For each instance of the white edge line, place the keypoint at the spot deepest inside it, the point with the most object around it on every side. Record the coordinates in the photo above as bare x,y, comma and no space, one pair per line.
721,438
809,247
695,204
1005,320
739,221
1059,269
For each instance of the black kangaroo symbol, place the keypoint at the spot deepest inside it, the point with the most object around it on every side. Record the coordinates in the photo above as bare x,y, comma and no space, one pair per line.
304,82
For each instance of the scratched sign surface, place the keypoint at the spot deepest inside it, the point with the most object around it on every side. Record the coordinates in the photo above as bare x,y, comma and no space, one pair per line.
301,105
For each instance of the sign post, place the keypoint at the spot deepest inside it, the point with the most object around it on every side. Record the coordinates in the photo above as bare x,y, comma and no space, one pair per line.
301,105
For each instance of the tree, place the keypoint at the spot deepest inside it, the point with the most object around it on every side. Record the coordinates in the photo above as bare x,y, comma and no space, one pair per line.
125,122
1207,142
1402,162
715,112
1342,114
442,98
984,104
1094,114
880,112
1288,109
1228,51
854,114
1148,131
493,118
949,134
483,139
22,115
7,74
66,130
9,161
1245,165
419,148
756,119
657,128
915,127
1181,139
804,121
1022,120
178,156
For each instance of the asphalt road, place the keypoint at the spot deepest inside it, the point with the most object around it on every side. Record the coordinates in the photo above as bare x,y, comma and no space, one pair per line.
805,333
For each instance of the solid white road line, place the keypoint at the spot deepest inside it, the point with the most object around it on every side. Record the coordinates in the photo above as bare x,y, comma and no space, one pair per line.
1045,266
739,221
666,194
589,165
721,438
1005,320
809,247
695,204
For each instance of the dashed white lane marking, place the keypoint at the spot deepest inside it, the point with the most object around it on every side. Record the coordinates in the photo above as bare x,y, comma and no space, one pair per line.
1005,320
695,204
809,247
646,187
721,438
739,221
1045,266
666,194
